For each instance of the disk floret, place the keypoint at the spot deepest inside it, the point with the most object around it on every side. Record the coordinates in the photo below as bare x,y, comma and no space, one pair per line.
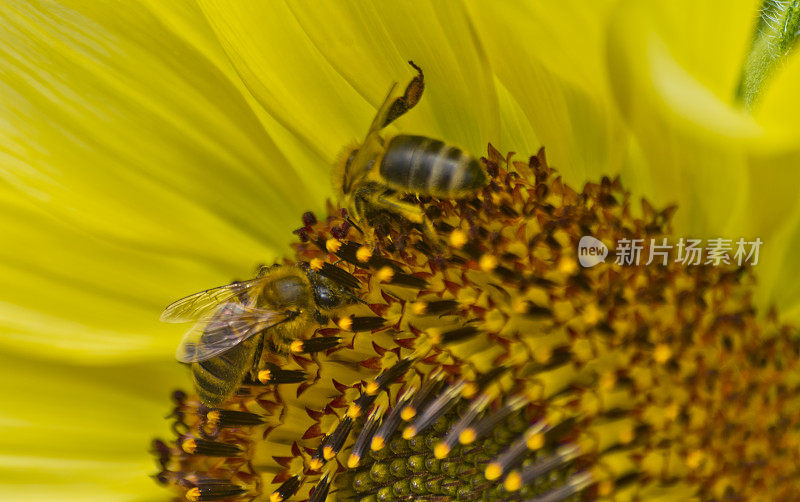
492,365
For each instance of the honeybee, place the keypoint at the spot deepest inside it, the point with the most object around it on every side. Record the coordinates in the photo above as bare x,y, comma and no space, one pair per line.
376,174
227,340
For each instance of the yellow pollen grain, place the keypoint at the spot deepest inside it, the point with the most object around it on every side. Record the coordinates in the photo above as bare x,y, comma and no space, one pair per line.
535,442
275,497
377,443
213,416
493,471
353,461
315,464
694,459
296,346
513,481
591,314
488,262
316,263
333,245
520,305
567,266
193,495
419,308
605,488
469,390
458,238
441,450
408,413
345,323
372,388
608,381
467,436
409,432
264,376
662,353
328,453
354,411
385,274
363,254
189,446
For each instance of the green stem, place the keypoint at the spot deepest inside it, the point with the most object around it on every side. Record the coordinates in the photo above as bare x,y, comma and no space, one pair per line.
774,38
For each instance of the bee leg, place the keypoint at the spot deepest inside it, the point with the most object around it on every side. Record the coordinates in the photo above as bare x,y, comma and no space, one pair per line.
409,99
256,364
409,211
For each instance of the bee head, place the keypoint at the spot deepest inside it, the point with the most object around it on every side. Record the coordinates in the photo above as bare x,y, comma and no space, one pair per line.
342,174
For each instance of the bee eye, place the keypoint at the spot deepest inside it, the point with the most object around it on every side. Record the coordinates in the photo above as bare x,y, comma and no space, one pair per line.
324,297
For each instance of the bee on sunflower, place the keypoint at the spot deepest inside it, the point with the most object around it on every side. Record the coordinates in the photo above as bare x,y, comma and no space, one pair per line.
477,360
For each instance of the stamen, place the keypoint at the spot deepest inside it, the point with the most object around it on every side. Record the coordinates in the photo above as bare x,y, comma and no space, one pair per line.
320,491
365,437
389,425
470,434
274,374
220,418
440,406
443,448
286,490
312,345
195,446
565,454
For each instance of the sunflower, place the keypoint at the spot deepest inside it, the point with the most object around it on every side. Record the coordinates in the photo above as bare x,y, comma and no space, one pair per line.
154,149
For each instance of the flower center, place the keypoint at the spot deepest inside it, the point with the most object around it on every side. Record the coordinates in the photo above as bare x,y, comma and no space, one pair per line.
495,366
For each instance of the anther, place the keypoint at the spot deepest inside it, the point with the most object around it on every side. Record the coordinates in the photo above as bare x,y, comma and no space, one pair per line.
195,446
312,345
437,408
444,447
365,437
389,425
320,491
286,490
274,374
488,423
233,418
333,245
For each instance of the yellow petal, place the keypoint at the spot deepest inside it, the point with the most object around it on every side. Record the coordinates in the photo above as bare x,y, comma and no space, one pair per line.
549,57
730,173
77,433
324,67
133,170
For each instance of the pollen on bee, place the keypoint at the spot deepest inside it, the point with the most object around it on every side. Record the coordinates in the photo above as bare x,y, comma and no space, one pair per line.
316,264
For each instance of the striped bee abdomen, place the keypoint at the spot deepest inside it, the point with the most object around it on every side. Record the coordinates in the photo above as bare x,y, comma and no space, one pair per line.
430,167
218,377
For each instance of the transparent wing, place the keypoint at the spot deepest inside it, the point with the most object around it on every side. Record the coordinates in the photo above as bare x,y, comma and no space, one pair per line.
204,303
229,326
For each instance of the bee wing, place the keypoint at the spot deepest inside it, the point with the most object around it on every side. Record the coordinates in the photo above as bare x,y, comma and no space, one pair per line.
204,303
232,325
